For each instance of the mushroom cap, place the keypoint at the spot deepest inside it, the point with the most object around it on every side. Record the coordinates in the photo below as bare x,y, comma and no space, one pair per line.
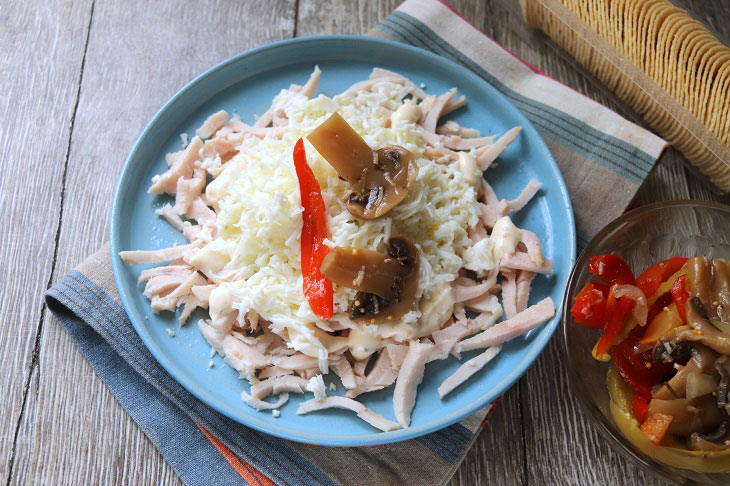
374,308
383,185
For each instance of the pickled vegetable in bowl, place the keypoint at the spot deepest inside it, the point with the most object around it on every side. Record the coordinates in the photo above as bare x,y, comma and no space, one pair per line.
666,334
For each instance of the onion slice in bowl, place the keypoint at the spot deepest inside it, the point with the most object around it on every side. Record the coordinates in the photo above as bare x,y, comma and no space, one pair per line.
641,309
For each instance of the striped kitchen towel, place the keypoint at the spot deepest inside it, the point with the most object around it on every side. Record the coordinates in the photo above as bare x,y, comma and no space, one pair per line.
604,159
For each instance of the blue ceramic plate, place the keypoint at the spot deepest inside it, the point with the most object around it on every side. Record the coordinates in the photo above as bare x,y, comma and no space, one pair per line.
245,85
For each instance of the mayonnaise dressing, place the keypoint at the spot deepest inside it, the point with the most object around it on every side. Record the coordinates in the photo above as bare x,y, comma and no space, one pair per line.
504,238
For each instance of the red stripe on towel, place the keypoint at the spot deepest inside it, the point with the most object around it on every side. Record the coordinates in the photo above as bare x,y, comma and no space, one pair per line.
249,473
491,411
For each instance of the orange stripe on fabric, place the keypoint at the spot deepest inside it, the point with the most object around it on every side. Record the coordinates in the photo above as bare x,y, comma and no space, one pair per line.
243,468
491,411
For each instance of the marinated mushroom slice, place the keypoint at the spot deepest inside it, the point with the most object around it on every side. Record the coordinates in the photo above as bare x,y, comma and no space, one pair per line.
386,283
721,290
699,329
384,186
379,180
688,416
714,442
702,359
363,270
699,278
667,351
342,148
722,395
709,281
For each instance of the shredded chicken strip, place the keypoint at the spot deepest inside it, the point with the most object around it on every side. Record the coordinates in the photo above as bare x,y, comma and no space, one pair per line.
273,372
262,405
191,303
509,293
311,86
343,369
465,289
280,384
410,376
459,143
434,113
140,257
504,331
417,92
466,370
217,146
453,128
359,366
522,261
366,414
368,84
492,212
212,124
490,197
202,293
171,216
534,248
182,270
454,104
183,167
489,154
524,280
384,372
525,196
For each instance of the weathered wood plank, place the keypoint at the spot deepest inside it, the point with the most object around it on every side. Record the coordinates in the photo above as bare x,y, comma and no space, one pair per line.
37,99
561,445
498,455
139,54
79,434
352,17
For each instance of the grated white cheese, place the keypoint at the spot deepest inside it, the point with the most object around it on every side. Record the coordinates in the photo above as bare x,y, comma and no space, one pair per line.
316,386
259,216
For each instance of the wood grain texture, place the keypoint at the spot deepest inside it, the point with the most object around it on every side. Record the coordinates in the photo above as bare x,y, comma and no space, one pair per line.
139,53
74,431
562,447
41,48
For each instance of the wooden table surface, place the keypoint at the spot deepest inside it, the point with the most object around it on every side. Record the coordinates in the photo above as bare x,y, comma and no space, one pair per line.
79,80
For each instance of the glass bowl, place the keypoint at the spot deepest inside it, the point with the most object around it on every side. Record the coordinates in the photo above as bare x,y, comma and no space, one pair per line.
643,236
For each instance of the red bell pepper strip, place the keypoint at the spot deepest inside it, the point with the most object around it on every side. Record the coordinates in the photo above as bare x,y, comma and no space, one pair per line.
604,288
680,295
637,370
640,406
617,312
611,269
589,307
631,374
650,280
659,306
317,288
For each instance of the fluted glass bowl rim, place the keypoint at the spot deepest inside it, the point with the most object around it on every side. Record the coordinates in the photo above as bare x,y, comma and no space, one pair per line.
596,417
